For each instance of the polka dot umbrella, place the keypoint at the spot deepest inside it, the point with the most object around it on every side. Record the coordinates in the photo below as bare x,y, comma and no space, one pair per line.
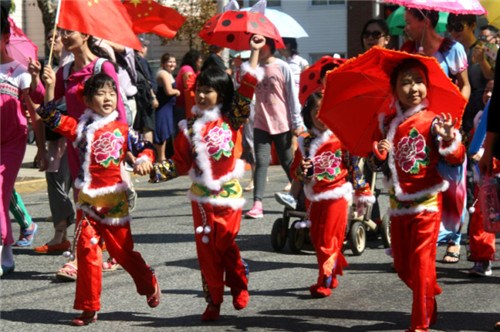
233,29
310,79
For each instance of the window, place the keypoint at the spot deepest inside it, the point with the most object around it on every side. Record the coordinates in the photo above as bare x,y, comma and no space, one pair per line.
250,3
327,2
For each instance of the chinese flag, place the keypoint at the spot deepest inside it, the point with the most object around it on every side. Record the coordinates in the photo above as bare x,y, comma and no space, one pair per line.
149,16
106,19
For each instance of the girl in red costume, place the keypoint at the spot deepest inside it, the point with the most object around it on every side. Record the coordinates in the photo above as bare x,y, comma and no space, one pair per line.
204,149
415,140
102,214
323,165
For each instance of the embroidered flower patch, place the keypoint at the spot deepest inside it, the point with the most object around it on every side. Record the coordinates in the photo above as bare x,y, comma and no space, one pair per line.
108,148
219,141
327,165
412,153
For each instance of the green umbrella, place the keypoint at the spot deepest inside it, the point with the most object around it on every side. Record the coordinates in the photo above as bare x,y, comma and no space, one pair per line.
396,21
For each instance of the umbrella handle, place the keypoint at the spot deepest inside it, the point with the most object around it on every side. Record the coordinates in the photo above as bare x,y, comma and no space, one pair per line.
380,155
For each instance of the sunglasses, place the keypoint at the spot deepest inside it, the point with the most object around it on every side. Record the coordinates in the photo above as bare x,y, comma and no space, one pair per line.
458,27
373,34
66,33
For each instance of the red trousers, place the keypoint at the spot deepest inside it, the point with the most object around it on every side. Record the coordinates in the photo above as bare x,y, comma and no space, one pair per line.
481,243
414,239
120,246
328,224
219,259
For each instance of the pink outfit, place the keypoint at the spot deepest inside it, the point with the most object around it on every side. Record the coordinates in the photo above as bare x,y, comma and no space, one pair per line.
277,107
72,90
179,84
14,78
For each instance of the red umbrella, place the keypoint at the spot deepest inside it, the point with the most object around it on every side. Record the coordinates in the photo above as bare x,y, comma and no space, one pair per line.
233,29
20,47
359,91
310,79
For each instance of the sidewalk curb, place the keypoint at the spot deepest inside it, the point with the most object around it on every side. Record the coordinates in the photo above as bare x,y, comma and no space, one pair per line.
29,186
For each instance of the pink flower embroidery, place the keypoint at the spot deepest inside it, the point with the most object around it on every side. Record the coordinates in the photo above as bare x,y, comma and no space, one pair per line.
108,148
327,165
219,141
412,152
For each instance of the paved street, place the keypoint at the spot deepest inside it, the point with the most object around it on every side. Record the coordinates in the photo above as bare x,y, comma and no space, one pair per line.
369,298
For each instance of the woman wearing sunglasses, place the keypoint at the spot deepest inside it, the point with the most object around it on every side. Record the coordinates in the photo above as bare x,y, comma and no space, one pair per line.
375,33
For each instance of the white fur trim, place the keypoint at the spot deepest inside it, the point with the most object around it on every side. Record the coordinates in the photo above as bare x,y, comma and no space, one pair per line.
368,199
98,123
256,72
344,191
233,203
107,221
400,117
320,139
412,210
122,186
141,160
456,141
202,157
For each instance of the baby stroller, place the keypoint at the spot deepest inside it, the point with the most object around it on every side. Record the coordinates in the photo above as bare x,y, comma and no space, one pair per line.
297,233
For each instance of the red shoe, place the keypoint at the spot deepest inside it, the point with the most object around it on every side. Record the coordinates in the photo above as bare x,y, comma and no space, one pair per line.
85,318
54,248
240,298
318,291
154,299
212,313
334,283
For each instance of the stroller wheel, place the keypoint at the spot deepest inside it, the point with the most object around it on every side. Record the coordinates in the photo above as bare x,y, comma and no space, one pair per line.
279,234
296,237
385,230
357,238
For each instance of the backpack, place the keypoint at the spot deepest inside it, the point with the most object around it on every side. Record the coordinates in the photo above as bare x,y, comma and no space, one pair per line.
144,96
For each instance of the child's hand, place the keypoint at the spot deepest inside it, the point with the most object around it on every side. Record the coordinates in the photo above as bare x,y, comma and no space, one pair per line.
143,168
49,76
34,67
443,126
384,145
257,42
306,165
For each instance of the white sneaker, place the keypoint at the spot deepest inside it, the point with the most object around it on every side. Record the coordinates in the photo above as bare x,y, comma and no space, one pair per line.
286,200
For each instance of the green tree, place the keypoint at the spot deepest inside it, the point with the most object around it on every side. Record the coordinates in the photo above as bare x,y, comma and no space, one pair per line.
197,12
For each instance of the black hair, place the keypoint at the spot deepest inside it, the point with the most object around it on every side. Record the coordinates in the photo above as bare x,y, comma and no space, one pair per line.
405,65
326,68
421,14
489,27
96,82
291,44
311,103
382,24
190,59
165,57
99,51
468,19
5,25
221,82
272,45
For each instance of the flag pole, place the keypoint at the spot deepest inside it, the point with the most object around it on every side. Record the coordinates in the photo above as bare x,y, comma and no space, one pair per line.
54,32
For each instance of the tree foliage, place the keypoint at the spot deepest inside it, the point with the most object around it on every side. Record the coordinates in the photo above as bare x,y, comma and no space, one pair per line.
197,12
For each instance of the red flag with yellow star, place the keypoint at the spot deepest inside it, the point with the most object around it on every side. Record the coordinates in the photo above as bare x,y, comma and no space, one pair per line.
149,16
106,19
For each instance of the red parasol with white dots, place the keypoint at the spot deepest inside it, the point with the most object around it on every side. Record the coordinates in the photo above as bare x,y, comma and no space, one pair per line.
234,28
